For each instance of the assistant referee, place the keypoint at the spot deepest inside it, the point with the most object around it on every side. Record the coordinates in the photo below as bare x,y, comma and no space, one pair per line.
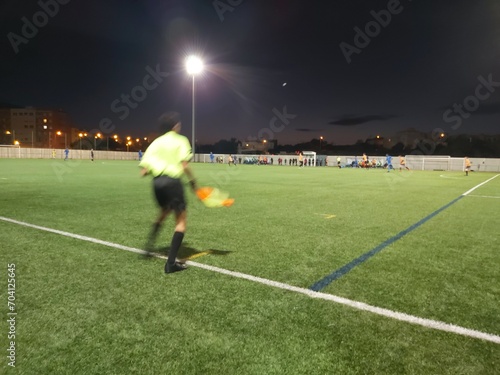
166,159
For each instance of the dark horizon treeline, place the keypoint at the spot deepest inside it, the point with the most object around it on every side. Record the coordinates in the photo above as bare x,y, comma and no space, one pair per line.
455,146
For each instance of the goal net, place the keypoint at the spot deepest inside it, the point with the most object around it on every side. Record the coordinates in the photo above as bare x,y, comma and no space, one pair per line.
434,163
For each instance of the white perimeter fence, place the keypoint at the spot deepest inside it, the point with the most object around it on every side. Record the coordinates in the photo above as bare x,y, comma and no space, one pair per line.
414,162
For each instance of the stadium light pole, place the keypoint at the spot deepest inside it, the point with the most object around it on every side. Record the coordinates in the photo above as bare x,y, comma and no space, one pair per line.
98,135
13,133
65,138
194,66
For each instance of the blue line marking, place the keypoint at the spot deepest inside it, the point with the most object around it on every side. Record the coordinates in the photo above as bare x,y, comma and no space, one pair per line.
349,266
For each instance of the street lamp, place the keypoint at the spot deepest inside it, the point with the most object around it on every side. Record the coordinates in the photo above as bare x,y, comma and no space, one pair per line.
128,145
65,138
98,135
194,66
115,138
320,141
13,135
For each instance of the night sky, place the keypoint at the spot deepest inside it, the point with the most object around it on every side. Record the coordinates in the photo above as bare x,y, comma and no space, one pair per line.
431,65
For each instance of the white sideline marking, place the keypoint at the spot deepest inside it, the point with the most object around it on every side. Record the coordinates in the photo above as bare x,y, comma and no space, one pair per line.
428,323
481,184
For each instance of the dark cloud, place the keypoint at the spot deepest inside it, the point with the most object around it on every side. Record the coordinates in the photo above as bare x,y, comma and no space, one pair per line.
350,120
305,130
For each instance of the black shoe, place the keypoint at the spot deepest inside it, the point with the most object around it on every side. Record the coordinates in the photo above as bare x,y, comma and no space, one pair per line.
171,268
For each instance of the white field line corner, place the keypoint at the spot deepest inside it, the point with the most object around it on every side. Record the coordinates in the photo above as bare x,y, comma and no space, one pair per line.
428,323
479,185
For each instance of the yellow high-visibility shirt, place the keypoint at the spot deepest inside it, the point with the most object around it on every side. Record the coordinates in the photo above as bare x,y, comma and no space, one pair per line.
165,155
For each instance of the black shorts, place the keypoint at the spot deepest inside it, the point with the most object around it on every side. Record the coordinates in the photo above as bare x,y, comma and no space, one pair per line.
169,193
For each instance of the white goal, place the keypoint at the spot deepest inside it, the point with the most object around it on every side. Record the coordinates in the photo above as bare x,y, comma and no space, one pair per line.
434,163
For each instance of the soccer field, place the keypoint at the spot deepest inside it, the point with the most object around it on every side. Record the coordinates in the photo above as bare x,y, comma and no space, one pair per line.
311,271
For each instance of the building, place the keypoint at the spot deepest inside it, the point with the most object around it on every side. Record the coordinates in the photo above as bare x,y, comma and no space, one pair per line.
36,127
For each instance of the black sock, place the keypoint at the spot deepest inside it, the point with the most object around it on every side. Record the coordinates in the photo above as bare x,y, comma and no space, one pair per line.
174,247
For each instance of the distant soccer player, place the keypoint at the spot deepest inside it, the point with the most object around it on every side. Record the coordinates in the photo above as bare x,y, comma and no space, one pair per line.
301,161
364,163
402,163
167,159
467,165
66,154
388,160
338,162
91,154
231,160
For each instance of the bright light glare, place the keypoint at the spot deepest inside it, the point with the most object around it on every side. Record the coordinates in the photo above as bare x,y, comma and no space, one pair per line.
194,65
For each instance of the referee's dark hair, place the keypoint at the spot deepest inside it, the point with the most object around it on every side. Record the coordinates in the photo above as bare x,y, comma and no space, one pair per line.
168,120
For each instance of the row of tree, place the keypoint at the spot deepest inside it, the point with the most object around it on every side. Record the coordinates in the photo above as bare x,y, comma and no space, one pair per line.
455,146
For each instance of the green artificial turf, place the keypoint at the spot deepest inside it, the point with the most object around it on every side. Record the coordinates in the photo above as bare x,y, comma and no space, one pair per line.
86,308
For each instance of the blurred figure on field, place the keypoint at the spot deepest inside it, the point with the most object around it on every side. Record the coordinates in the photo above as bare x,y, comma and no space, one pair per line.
388,160
167,161
66,153
402,163
467,164
364,162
